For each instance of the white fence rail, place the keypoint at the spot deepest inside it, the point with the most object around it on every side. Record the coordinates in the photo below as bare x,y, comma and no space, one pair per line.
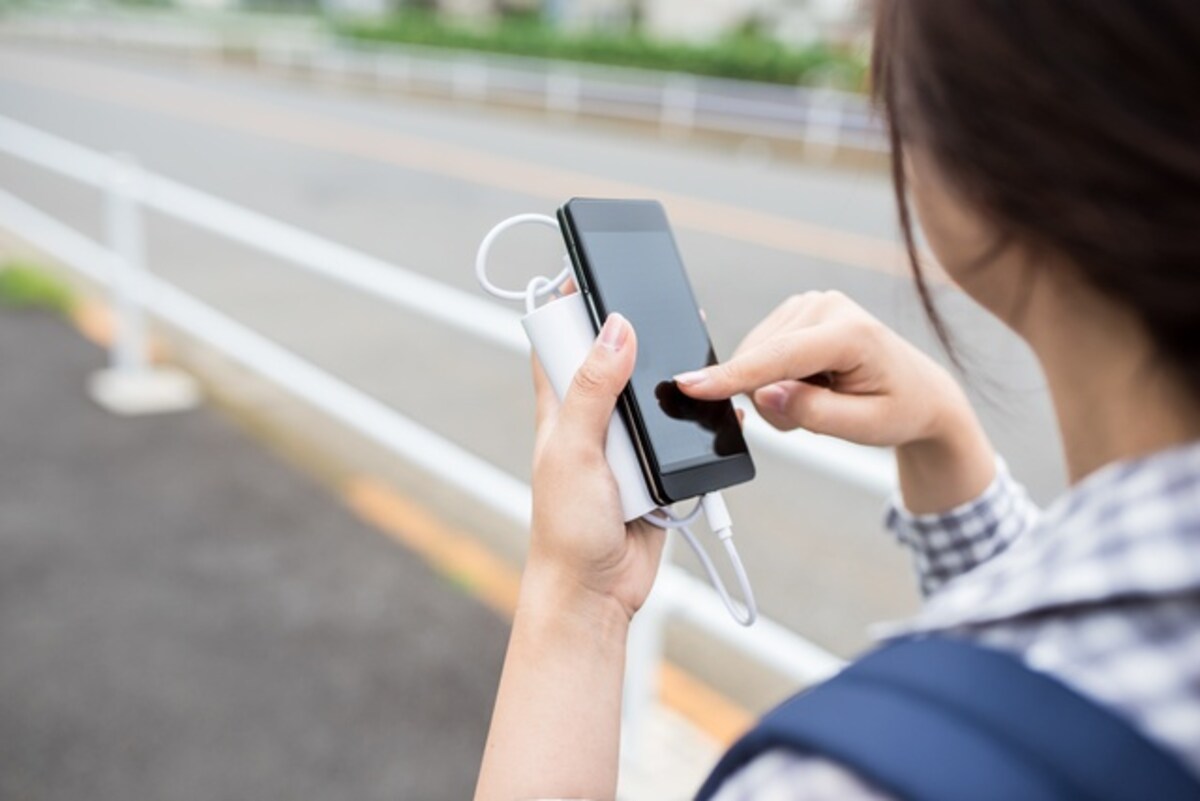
827,120
676,594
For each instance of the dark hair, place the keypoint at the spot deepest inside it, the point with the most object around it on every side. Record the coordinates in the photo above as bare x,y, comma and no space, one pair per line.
1074,125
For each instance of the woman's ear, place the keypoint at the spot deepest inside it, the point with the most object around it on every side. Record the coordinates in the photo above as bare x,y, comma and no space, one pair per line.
971,250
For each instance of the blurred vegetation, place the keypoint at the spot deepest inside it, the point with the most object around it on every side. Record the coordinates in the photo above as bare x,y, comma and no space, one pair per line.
25,286
747,53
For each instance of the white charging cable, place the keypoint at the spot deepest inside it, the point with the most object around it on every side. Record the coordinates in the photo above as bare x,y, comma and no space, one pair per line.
720,522
536,289
711,504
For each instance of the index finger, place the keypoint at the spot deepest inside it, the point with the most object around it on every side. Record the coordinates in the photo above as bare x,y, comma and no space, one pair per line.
793,355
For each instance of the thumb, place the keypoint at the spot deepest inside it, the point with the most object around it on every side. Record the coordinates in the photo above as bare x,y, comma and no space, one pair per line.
593,393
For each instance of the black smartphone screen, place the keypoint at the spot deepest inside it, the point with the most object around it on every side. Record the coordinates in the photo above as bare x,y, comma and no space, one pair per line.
627,262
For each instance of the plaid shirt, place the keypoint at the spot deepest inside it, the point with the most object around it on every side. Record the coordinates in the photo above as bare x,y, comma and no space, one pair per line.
1102,591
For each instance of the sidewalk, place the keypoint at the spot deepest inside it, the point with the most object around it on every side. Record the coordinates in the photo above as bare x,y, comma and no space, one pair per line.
185,616
182,616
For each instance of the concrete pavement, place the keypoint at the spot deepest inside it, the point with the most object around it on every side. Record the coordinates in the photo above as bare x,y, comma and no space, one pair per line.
183,616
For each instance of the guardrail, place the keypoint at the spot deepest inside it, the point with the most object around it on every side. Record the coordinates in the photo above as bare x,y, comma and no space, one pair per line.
823,120
676,593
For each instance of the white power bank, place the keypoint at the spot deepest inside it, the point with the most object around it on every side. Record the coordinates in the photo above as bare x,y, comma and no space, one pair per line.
562,335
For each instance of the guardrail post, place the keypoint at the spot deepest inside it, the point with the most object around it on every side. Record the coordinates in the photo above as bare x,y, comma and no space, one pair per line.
393,71
643,656
126,239
274,55
130,385
823,120
469,79
563,92
679,97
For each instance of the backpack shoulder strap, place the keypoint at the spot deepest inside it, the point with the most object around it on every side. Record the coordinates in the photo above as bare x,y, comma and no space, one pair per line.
946,720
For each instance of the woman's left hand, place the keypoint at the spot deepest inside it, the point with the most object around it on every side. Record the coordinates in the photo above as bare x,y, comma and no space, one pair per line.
582,552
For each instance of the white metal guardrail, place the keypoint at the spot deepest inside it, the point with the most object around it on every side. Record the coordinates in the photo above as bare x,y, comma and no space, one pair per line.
825,119
676,594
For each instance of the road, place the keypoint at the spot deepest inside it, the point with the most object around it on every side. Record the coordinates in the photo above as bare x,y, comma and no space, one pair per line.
418,182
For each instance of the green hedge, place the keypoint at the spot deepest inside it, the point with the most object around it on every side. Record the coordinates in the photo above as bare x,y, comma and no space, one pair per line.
26,286
747,57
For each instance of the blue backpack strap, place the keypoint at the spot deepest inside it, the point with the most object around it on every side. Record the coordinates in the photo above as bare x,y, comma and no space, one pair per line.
946,720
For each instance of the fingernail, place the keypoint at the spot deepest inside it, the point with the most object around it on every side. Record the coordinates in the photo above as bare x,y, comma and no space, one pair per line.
614,333
691,379
773,396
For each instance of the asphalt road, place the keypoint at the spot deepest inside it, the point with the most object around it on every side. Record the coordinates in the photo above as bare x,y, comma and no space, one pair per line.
418,183
182,616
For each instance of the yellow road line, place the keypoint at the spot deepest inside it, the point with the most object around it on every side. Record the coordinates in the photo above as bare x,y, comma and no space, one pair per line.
211,108
449,552
704,707
494,581
94,320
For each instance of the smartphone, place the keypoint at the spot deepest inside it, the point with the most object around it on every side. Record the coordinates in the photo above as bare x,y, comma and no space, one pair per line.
626,260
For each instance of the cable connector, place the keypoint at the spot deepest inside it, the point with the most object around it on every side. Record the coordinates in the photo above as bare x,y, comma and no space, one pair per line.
720,522
717,515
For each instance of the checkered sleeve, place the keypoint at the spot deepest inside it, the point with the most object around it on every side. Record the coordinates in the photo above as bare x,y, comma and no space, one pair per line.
948,544
780,775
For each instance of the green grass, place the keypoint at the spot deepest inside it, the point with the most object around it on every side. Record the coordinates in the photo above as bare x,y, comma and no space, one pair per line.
746,55
24,286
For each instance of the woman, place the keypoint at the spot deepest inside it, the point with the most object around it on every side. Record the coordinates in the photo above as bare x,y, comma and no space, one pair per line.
1052,153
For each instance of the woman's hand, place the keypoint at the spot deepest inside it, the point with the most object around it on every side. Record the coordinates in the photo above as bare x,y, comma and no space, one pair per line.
822,363
581,551
556,727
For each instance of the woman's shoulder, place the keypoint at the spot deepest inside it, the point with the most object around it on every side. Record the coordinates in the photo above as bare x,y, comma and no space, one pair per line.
1103,594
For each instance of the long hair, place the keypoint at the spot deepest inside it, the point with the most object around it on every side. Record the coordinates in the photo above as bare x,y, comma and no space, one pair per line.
1074,126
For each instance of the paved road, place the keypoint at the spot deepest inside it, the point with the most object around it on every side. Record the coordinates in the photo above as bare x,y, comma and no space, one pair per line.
183,617
419,183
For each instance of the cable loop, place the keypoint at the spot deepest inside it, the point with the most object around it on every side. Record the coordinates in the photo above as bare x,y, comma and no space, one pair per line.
531,294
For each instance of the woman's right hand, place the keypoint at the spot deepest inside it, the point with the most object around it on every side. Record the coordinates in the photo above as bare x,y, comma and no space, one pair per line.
822,363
